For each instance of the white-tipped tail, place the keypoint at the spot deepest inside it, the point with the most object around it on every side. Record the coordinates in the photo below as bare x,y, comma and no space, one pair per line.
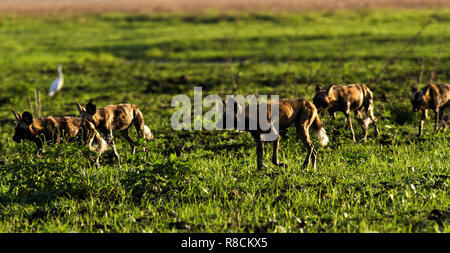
100,145
103,146
367,122
322,136
147,133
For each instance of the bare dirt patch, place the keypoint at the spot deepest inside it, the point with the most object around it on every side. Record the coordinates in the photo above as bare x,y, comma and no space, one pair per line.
199,6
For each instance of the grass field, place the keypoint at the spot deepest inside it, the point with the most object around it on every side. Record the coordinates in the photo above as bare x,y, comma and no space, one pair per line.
206,181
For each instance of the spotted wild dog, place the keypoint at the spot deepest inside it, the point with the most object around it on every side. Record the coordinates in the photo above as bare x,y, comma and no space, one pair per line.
52,129
297,111
118,117
435,97
348,98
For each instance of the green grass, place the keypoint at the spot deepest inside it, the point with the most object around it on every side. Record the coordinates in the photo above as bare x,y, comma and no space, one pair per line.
206,181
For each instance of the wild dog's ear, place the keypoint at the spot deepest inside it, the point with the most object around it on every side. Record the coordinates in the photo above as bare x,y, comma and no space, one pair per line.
27,117
16,115
427,91
91,108
413,89
330,90
318,88
80,108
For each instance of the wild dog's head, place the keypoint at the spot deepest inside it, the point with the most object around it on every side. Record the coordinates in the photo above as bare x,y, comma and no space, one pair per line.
419,99
322,97
230,111
88,112
23,126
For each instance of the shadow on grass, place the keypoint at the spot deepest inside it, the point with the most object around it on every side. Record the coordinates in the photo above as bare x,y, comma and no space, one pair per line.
41,181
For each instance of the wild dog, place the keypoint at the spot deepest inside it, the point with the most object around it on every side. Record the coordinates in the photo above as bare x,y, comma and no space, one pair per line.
297,111
52,129
348,98
117,117
435,97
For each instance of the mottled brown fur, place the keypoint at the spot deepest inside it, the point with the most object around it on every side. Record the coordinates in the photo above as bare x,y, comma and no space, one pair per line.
299,112
348,98
435,97
52,129
117,117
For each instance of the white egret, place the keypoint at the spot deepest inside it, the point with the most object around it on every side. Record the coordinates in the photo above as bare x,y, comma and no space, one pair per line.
58,83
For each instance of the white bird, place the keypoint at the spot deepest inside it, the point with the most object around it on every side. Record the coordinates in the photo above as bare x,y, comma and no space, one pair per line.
58,83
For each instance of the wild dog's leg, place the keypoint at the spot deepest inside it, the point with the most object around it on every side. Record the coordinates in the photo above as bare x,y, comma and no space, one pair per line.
259,149
349,119
97,161
127,137
332,113
302,132
359,117
39,147
422,120
113,145
110,141
94,135
441,119
275,153
369,112
109,136
443,122
56,134
99,150
436,121
314,157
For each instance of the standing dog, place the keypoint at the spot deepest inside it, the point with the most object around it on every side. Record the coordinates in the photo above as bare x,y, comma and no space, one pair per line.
348,98
51,129
435,97
116,118
299,112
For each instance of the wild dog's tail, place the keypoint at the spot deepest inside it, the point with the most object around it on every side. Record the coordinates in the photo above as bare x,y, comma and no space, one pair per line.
102,144
95,136
142,129
147,133
319,131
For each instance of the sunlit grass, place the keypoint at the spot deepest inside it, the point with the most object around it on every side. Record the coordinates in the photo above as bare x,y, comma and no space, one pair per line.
207,181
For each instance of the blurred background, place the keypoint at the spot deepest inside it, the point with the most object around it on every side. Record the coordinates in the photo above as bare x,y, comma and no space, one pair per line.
43,6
